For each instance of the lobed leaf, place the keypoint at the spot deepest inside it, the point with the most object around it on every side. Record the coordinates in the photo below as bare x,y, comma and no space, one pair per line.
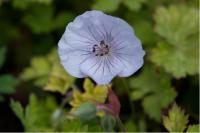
151,86
59,80
47,72
38,71
18,110
94,94
176,121
193,128
36,116
180,62
178,54
176,23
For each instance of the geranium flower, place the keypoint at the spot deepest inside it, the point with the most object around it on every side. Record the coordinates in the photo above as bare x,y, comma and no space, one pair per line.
100,46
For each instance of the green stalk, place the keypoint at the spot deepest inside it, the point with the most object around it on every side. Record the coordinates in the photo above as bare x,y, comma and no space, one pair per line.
120,124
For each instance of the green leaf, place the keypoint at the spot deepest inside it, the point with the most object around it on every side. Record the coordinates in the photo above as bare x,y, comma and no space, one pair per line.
178,53
176,121
2,55
108,122
178,61
53,56
58,79
95,128
151,86
37,115
143,30
106,5
75,126
43,23
38,71
47,71
40,67
20,4
24,4
143,26
133,5
18,110
153,108
56,117
46,20
44,66
62,19
86,112
193,128
142,125
130,126
41,115
177,23
7,84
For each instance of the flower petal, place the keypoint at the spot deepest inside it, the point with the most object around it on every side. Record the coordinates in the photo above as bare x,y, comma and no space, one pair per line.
116,27
101,69
71,59
131,54
84,27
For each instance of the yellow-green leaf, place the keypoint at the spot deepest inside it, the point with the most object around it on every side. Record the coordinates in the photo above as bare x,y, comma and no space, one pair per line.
178,52
91,94
176,23
38,70
59,80
176,120
180,61
88,85
193,128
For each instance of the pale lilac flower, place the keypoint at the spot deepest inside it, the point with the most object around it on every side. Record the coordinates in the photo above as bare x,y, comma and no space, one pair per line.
100,46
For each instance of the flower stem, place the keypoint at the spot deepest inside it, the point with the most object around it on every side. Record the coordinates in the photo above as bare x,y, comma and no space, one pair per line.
68,96
65,100
128,93
121,125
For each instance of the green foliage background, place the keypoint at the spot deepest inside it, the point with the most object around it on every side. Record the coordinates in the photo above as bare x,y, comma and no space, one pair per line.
35,85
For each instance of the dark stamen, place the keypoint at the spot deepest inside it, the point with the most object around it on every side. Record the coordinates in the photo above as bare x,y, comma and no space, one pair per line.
102,42
93,50
101,49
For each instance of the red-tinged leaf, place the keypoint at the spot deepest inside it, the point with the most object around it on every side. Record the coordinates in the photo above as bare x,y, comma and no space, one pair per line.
114,103
113,106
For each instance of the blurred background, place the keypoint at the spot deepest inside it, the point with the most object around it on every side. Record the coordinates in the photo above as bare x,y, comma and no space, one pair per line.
31,76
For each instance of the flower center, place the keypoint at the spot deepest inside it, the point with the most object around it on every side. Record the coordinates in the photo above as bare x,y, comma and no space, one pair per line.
101,49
